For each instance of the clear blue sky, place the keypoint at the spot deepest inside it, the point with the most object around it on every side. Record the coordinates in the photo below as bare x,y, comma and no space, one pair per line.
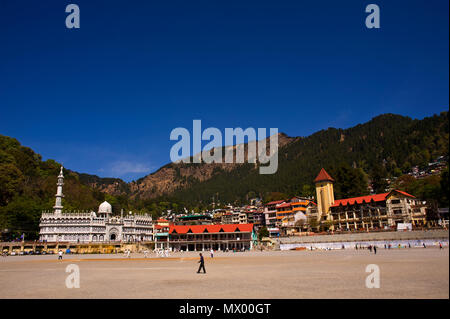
104,98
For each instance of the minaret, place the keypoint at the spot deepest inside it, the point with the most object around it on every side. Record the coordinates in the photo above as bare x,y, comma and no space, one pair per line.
57,209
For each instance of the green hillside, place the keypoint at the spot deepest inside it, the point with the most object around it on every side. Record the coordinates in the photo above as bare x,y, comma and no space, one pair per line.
387,146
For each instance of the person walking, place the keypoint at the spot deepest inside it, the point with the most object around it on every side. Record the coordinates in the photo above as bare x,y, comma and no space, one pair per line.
440,246
60,254
202,264
375,249
212,253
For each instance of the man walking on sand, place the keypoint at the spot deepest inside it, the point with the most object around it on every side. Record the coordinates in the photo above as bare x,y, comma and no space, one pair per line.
60,254
202,264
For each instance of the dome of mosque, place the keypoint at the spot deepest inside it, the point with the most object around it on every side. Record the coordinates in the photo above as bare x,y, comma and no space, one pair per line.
105,208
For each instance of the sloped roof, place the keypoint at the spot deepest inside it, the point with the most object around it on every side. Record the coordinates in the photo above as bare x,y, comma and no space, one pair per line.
275,202
323,176
198,229
366,199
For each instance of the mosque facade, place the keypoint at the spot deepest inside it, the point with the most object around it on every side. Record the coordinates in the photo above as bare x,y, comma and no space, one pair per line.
92,227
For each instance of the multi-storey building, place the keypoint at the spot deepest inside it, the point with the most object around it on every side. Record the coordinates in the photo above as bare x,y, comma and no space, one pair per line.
367,212
270,212
161,233
80,227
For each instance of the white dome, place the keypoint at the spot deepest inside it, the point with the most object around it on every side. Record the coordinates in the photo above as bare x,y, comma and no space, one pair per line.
105,208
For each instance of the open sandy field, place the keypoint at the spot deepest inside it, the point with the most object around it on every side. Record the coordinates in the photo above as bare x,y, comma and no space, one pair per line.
404,273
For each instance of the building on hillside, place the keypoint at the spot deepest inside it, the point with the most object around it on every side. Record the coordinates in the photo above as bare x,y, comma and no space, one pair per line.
86,227
217,237
258,219
217,216
366,212
270,213
227,218
292,215
194,219
243,217
236,216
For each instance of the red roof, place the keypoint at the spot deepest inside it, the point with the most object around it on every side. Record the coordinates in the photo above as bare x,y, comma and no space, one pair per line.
284,205
275,202
323,176
198,229
367,199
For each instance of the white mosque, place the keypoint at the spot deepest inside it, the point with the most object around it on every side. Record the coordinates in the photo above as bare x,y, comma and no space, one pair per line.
87,227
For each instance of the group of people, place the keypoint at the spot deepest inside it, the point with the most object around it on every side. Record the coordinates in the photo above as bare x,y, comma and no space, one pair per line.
162,252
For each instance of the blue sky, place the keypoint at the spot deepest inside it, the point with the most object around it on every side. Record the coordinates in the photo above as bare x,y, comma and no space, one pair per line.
104,98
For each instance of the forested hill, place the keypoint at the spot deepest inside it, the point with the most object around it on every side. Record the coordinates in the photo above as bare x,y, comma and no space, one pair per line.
28,186
387,146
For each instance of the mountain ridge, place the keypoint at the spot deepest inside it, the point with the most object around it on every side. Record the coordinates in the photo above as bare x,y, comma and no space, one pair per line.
176,177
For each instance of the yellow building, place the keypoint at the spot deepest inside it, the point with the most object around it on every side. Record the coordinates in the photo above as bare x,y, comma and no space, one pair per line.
324,193
367,212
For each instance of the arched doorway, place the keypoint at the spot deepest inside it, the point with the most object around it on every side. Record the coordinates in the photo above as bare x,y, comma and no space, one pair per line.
113,234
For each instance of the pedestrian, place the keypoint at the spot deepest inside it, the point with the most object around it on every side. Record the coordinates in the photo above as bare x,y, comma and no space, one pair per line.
440,245
212,253
202,264
128,253
409,245
60,254
375,249
370,248
385,246
424,246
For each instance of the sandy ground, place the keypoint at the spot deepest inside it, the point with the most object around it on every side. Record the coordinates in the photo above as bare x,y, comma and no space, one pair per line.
404,273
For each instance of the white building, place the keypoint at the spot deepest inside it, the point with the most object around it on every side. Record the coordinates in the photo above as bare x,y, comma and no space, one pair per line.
82,227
